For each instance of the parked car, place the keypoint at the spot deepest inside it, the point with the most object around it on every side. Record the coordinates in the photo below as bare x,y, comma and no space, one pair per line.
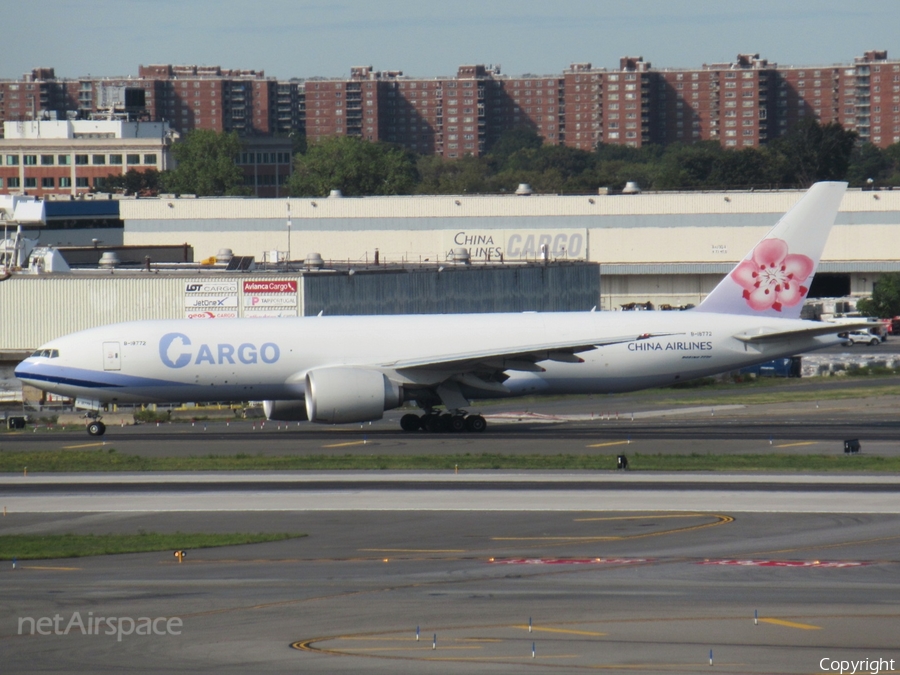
861,336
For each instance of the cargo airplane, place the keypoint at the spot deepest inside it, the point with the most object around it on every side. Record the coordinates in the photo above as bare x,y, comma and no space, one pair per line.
343,369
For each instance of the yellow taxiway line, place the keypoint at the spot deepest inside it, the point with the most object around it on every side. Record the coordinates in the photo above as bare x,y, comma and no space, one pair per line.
567,631
794,445
791,624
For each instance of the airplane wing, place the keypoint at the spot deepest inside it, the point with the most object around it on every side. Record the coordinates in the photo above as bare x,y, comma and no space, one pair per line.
521,358
763,335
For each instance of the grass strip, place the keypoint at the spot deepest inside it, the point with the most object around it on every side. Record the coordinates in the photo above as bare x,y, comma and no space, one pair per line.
109,460
747,393
760,397
42,546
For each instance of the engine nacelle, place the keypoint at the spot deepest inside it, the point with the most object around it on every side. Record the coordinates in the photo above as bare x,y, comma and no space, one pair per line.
341,395
285,411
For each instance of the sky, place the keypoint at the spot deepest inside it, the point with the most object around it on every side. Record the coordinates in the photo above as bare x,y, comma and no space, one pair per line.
422,38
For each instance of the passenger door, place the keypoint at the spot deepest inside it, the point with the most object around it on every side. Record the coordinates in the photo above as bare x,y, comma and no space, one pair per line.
112,359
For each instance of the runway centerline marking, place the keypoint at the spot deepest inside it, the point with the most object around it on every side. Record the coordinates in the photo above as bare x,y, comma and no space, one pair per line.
606,445
794,445
791,624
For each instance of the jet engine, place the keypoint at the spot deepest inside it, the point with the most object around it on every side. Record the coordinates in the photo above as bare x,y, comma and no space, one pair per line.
341,395
285,411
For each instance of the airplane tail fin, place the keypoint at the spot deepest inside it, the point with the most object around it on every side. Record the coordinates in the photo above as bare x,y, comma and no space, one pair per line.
774,278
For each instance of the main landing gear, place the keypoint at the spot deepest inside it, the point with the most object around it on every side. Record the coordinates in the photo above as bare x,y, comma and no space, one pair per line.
443,422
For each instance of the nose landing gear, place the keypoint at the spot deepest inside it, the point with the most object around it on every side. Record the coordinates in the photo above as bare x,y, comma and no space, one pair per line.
95,427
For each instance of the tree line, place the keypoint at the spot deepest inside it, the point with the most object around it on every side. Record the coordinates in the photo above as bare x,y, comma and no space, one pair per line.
810,152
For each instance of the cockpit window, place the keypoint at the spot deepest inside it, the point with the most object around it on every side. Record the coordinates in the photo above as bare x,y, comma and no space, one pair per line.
46,353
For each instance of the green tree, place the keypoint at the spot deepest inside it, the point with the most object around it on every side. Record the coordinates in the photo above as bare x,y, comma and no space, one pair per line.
355,167
135,182
467,175
748,167
688,166
510,142
815,152
891,155
206,165
868,161
549,169
885,300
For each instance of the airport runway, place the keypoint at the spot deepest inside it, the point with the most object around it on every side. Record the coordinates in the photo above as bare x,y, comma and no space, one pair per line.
617,572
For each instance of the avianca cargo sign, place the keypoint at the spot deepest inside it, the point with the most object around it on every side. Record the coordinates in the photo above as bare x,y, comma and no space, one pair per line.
270,286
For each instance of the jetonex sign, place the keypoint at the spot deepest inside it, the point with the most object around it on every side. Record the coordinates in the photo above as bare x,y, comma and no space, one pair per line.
177,351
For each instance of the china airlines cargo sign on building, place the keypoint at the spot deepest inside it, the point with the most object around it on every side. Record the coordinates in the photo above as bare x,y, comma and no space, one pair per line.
519,244
268,299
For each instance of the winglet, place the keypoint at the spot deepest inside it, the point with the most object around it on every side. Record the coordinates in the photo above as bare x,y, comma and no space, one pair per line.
774,278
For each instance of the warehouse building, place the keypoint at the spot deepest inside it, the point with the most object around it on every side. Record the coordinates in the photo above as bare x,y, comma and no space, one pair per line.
666,248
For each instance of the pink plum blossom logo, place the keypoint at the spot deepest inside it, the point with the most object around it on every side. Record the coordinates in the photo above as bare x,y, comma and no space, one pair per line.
773,278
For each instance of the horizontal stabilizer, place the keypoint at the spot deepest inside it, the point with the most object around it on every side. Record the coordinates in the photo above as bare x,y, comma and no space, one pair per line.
764,335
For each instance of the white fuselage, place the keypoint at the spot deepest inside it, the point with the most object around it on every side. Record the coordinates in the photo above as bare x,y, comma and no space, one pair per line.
242,359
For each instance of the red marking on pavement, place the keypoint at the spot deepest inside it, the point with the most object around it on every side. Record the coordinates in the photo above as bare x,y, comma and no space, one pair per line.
786,563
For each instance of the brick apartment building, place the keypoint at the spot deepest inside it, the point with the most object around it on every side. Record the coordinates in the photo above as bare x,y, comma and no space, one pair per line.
744,103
